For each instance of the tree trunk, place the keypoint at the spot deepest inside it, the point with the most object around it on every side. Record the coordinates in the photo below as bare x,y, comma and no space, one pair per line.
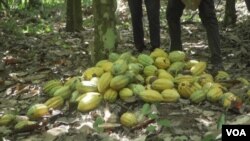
105,38
230,13
74,16
248,4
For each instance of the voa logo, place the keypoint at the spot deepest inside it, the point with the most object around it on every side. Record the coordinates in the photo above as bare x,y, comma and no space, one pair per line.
236,132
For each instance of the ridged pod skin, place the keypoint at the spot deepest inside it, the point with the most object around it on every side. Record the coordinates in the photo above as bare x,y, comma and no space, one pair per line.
205,78
101,63
170,95
177,56
145,60
71,82
113,56
110,95
180,78
164,74
227,99
150,70
162,84
185,89
37,111
119,82
198,68
128,119
162,62
119,67
158,52
136,88
55,102
89,101
214,94
151,79
86,86
49,87
107,66
104,81
190,63
151,96
137,68
92,72
64,92
198,96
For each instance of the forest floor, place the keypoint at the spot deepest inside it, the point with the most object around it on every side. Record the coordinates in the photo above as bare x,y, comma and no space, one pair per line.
33,51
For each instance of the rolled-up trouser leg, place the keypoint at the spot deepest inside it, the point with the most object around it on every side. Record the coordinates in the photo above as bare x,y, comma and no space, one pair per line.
135,7
174,13
209,20
153,12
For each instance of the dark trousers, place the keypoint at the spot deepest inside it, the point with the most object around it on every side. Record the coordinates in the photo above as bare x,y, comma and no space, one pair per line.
207,15
153,12
248,4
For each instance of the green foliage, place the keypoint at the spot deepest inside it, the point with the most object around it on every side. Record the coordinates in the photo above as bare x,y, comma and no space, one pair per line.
10,26
87,3
98,121
146,110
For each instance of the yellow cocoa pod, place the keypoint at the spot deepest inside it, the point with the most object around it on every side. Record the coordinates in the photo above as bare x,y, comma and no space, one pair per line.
55,102
162,62
158,52
37,111
227,99
170,95
71,82
110,95
162,84
7,119
64,92
86,86
119,82
101,63
151,96
104,81
180,78
126,95
92,72
119,67
177,56
190,63
214,94
198,68
205,78
107,66
185,89
128,119
150,70
89,101
164,74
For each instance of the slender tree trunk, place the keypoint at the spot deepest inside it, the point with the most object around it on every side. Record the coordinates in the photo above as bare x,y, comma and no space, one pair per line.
248,4
74,16
105,38
230,13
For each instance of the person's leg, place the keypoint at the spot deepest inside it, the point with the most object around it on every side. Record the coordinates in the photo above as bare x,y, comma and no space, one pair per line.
135,7
248,4
153,12
174,13
209,20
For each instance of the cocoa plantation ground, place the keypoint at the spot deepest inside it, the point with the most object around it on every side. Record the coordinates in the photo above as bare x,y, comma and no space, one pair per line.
34,50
